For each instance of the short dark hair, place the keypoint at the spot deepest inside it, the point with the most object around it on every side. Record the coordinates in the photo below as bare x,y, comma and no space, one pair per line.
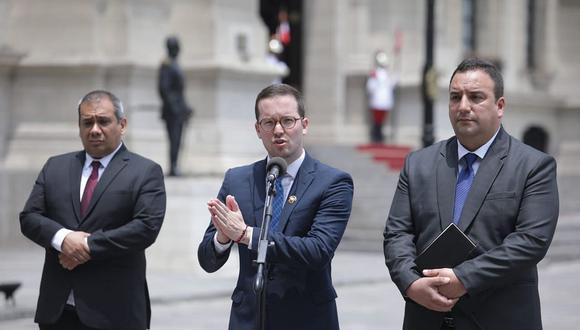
473,64
280,90
96,95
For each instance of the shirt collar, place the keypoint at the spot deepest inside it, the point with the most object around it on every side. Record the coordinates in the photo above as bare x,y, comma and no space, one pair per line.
104,161
292,169
480,152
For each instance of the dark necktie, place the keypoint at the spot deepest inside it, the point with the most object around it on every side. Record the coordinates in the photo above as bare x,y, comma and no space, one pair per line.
90,187
464,182
277,204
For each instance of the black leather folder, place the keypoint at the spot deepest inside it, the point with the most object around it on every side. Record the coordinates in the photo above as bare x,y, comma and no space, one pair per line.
447,250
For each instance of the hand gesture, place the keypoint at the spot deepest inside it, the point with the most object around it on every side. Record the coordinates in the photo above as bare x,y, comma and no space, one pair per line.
227,218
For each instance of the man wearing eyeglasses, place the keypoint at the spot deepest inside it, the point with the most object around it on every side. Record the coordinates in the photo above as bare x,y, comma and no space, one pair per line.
316,208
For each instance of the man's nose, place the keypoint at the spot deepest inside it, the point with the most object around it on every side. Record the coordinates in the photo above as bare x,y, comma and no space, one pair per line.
95,129
464,104
278,128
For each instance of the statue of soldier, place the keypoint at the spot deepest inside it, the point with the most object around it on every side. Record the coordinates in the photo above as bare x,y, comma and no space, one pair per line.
175,111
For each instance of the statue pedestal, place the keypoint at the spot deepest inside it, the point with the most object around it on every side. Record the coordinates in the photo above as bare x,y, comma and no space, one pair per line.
221,133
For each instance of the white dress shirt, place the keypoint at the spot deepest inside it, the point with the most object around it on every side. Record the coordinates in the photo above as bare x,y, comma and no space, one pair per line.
480,152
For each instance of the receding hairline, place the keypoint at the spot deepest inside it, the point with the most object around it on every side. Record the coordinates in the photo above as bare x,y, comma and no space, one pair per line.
97,96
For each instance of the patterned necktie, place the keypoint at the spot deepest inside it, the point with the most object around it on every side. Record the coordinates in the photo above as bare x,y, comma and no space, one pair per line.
277,204
464,182
90,187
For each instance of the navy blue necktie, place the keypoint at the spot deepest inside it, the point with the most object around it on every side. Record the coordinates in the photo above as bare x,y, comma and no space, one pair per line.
277,204
464,182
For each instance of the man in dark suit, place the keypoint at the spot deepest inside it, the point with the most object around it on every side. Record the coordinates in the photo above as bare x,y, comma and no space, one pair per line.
510,212
95,211
174,111
317,205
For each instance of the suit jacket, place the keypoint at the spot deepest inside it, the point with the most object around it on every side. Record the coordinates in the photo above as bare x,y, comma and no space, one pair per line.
124,217
300,294
510,213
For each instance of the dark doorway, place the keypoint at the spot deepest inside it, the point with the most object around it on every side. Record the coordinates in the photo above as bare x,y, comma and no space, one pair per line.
292,53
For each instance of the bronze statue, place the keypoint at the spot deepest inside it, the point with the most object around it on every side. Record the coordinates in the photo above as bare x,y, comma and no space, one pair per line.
175,111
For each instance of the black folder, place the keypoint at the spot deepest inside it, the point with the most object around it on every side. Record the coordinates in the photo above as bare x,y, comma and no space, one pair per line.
447,250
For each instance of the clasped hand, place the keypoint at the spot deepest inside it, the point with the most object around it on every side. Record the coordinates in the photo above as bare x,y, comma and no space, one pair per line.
75,250
439,290
227,218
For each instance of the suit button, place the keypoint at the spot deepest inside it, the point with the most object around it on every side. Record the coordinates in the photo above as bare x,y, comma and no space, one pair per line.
270,278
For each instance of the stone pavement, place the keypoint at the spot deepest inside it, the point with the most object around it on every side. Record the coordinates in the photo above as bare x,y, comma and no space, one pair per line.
185,297
367,298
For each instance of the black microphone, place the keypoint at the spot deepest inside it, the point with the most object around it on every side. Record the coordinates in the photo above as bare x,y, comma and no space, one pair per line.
276,167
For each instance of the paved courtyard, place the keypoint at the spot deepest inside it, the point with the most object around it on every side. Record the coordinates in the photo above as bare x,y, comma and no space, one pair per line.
185,297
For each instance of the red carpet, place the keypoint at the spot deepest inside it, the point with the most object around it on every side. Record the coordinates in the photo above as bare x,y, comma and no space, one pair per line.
392,156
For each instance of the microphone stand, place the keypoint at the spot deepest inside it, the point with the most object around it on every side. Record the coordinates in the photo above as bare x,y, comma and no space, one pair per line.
262,273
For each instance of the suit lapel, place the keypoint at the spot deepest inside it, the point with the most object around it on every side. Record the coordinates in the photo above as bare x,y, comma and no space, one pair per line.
488,170
445,181
118,162
303,179
258,185
76,170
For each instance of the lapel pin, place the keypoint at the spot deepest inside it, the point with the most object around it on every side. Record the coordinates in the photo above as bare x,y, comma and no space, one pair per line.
292,199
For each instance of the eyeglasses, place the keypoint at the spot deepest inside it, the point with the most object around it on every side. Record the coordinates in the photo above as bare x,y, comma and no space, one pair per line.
268,124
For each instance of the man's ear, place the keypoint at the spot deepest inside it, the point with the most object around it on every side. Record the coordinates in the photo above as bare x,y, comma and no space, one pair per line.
305,123
500,106
123,123
257,127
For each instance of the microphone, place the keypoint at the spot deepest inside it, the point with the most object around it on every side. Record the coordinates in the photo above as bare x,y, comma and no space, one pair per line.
275,168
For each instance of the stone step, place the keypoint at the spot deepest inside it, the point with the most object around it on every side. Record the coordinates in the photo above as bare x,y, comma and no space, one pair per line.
391,155
362,239
566,243
567,237
374,186
562,254
568,193
569,158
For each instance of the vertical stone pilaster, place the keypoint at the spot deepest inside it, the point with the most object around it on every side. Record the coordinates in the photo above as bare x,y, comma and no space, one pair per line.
321,67
8,61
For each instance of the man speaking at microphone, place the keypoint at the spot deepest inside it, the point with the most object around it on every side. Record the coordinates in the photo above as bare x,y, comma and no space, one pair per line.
306,225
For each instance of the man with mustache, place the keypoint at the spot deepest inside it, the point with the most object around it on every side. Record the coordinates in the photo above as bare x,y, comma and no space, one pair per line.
500,192
95,212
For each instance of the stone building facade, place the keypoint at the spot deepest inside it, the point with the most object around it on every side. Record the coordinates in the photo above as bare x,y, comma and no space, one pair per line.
52,52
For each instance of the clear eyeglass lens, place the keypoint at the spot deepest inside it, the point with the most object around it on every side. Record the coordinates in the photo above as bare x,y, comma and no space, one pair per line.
268,124
286,122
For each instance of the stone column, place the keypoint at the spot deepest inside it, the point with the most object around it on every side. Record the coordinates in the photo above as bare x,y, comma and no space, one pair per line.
8,61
